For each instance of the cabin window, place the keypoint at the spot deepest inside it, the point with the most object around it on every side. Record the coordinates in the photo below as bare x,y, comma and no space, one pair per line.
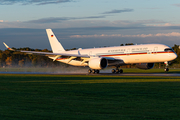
168,50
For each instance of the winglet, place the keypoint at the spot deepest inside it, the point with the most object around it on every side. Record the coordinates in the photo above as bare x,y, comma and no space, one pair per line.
8,47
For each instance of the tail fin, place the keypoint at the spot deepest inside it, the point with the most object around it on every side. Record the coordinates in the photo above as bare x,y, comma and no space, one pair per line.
55,44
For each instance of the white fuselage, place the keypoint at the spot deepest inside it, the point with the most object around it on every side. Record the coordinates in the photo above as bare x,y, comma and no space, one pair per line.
146,53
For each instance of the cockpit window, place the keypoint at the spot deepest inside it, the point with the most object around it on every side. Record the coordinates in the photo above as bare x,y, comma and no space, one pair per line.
168,50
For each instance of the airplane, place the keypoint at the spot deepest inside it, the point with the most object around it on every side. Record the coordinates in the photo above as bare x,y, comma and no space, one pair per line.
144,55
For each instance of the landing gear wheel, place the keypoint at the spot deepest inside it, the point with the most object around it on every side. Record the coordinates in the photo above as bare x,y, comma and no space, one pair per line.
89,71
117,70
113,71
120,71
97,71
166,69
93,71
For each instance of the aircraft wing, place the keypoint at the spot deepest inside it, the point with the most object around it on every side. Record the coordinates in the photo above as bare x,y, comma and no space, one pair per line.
56,55
111,60
46,53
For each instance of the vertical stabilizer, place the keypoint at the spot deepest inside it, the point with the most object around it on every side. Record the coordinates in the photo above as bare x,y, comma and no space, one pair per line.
55,44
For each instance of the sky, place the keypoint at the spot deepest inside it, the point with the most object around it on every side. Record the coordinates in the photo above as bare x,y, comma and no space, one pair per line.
89,23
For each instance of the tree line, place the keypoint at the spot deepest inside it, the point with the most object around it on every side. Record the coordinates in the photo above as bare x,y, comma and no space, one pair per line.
18,59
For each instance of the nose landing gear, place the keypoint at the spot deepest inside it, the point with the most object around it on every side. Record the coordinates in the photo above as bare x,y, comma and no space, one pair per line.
166,68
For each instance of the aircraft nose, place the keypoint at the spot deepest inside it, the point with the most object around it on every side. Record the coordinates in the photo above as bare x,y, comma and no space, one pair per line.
174,56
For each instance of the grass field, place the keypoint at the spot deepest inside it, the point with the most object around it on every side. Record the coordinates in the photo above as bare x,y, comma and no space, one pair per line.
89,97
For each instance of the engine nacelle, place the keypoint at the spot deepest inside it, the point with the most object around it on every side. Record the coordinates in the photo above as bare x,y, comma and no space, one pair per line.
145,66
98,63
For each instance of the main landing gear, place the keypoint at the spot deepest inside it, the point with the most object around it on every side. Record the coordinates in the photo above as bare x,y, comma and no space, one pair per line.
166,68
117,70
93,71
97,71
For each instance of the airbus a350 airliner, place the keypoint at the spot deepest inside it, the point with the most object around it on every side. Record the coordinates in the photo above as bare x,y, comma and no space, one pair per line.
144,56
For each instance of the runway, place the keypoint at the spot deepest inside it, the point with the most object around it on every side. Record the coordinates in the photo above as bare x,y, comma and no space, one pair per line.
108,74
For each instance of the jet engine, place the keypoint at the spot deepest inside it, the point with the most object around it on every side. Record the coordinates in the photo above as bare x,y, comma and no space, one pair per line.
98,63
145,66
